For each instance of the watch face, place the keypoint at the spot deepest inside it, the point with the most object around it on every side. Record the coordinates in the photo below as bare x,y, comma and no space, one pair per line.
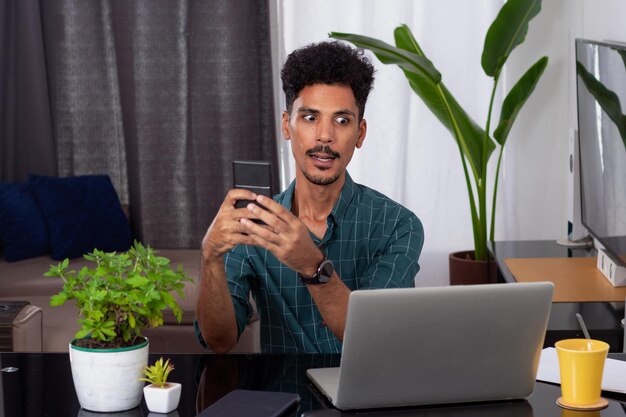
326,271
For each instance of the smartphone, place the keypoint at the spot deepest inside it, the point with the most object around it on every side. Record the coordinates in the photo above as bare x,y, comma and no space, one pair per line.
255,176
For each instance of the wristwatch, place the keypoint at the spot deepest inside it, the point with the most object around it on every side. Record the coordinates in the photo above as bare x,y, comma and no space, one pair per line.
323,274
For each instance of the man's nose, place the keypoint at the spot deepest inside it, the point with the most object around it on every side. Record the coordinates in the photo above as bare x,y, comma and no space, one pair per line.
325,133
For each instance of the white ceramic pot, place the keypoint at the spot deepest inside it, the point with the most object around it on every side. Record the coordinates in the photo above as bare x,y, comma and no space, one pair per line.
107,380
162,400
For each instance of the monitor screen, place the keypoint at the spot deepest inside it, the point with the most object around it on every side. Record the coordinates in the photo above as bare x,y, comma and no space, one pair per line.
601,100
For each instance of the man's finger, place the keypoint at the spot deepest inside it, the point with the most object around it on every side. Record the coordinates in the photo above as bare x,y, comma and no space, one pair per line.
237,194
273,207
268,234
278,220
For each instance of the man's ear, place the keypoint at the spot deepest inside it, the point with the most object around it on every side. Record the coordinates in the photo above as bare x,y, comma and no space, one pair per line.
285,125
362,132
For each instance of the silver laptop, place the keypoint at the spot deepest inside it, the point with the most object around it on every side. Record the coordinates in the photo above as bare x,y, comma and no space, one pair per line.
414,346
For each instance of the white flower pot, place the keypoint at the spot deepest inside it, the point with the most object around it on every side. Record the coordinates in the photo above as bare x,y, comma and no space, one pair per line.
162,400
107,380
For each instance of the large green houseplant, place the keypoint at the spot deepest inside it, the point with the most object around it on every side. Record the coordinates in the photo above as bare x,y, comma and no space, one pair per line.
121,295
475,144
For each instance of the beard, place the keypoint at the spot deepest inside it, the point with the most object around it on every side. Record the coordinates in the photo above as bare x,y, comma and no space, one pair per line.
318,179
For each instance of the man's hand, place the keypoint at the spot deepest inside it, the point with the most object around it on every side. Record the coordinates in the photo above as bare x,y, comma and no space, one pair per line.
285,235
226,230
214,308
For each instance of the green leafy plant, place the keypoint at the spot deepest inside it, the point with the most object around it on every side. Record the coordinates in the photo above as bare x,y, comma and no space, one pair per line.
157,374
121,295
475,144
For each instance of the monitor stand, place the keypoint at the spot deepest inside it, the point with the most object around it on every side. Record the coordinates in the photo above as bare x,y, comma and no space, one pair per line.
585,242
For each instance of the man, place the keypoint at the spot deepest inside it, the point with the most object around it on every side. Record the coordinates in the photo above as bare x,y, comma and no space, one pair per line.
324,236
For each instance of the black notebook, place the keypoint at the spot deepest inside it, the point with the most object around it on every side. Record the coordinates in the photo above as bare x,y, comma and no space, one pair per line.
247,403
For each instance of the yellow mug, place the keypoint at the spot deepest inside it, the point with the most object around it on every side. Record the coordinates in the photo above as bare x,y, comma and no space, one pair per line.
581,364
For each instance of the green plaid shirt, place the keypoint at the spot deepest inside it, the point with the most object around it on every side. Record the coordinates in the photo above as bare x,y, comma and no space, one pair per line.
372,241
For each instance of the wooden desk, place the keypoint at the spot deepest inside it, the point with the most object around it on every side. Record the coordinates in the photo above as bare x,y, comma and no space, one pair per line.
603,319
575,279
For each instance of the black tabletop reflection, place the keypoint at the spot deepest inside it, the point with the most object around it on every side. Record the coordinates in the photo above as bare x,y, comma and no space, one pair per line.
40,384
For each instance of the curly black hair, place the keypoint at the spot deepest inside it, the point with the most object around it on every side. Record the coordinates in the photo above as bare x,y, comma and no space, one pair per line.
332,63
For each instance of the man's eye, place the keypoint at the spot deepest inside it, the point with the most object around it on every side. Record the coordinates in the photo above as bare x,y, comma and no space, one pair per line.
309,117
342,120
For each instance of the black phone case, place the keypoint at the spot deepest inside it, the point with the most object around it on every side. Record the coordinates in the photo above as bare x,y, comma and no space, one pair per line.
255,176
252,404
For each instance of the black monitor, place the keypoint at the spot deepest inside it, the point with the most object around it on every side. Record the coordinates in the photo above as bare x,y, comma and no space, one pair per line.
601,100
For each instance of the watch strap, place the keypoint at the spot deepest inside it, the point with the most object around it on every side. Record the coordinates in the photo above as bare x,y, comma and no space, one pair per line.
324,266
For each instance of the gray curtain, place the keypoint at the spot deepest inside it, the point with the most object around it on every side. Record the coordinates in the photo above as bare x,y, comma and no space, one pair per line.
26,137
161,95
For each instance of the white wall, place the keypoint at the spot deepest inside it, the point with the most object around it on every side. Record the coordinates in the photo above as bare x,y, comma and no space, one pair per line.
532,194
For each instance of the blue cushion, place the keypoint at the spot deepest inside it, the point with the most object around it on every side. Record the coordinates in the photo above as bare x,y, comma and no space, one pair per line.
82,214
22,228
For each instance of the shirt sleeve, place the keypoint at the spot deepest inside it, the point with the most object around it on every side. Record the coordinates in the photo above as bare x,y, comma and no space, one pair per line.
238,274
397,264
237,271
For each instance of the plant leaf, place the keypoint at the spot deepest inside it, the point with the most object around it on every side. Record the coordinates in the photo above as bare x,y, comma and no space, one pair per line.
168,299
82,333
507,31
470,135
516,98
108,332
137,281
58,299
607,99
408,56
388,54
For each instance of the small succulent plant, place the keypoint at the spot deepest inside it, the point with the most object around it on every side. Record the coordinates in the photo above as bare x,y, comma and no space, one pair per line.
157,374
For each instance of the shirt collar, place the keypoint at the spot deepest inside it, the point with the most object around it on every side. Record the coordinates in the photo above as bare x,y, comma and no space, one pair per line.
287,196
338,212
345,197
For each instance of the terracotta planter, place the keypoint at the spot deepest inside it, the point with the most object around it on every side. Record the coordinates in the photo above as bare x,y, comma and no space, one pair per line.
464,270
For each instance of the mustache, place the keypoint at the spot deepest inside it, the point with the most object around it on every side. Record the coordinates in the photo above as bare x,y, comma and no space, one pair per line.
323,149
